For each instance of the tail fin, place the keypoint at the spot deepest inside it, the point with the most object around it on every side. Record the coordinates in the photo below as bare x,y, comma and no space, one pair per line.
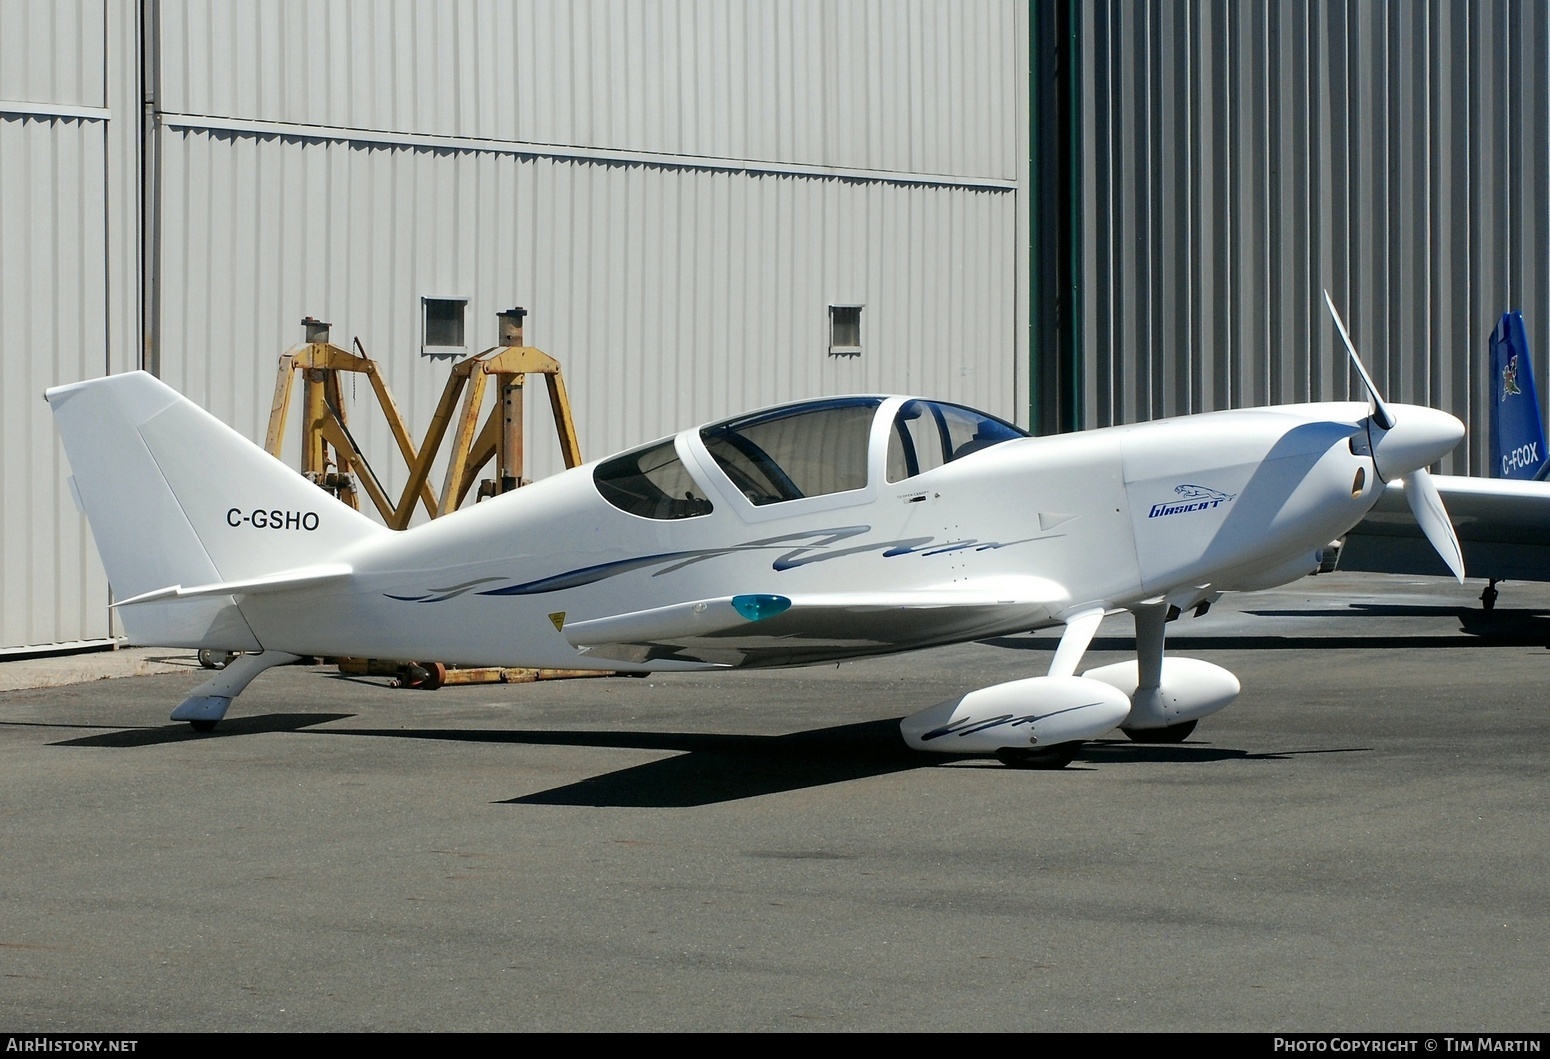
1517,432
176,498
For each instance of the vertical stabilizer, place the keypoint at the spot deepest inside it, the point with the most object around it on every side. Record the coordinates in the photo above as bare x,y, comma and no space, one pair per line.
177,498
1517,432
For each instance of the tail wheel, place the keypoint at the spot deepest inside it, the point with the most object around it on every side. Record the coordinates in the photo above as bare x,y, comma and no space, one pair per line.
1042,757
1174,733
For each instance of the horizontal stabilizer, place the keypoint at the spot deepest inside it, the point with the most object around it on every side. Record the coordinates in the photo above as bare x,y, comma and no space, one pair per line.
285,579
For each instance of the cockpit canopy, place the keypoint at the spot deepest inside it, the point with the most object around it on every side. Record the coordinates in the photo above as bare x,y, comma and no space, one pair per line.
928,434
652,483
796,451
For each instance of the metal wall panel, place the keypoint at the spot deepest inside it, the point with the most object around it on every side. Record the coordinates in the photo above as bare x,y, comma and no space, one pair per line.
671,296
1237,158
616,167
53,52
53,329
909,86
69,290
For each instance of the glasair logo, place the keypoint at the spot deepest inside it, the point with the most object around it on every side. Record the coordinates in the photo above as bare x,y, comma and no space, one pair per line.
1191,498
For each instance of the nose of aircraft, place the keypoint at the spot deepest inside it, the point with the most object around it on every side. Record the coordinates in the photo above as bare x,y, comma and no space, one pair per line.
1419,438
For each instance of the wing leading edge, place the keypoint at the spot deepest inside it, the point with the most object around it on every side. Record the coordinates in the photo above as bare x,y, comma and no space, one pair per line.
766,629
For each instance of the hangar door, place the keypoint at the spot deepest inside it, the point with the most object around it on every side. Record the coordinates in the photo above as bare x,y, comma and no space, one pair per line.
53,329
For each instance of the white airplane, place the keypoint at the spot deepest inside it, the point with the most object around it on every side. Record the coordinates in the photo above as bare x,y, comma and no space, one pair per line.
808,532
1503,519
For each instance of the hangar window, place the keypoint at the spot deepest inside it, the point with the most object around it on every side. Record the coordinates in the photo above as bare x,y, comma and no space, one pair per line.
652,483
809,449
443,331
845,330
927,434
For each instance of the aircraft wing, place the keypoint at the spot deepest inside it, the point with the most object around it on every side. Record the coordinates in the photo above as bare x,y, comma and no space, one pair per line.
1502,524
766,629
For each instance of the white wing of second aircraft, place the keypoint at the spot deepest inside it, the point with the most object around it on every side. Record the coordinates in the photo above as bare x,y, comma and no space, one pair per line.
1503,525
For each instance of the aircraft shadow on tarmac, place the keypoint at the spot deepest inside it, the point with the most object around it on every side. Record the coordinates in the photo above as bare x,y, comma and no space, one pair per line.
180,732
704,769
1246,643
709,769
1500,628
1510,628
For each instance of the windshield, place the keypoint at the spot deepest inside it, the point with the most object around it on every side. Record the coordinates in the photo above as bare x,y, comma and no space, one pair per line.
927,434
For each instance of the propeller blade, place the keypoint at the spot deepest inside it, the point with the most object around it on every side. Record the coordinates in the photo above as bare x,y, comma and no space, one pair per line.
1426,433
1426,503
1380,411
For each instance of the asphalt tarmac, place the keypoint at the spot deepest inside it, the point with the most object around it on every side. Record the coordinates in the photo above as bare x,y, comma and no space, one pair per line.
1359,843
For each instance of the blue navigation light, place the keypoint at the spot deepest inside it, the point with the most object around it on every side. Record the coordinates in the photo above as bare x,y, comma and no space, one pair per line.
759,606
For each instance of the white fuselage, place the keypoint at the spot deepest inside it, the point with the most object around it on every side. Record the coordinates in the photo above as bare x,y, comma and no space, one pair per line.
1109,517
824,529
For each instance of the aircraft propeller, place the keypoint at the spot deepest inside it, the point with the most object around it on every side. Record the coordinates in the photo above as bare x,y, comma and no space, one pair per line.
1403,451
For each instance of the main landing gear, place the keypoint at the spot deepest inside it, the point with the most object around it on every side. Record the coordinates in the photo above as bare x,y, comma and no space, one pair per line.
1173,733
1045,757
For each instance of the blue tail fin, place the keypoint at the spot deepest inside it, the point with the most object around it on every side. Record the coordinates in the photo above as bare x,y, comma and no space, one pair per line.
1517,432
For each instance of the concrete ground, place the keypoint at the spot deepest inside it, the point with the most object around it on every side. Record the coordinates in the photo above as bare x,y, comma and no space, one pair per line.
81,667
1359,843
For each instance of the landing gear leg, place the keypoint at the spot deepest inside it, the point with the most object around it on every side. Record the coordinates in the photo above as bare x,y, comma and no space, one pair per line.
1488,596
207,703
1151,630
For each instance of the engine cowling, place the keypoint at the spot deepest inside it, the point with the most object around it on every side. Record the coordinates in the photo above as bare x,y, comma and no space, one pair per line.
1034,712
1190,689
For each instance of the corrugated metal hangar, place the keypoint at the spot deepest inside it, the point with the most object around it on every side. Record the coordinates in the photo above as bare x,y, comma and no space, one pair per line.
1234,159
1069,214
